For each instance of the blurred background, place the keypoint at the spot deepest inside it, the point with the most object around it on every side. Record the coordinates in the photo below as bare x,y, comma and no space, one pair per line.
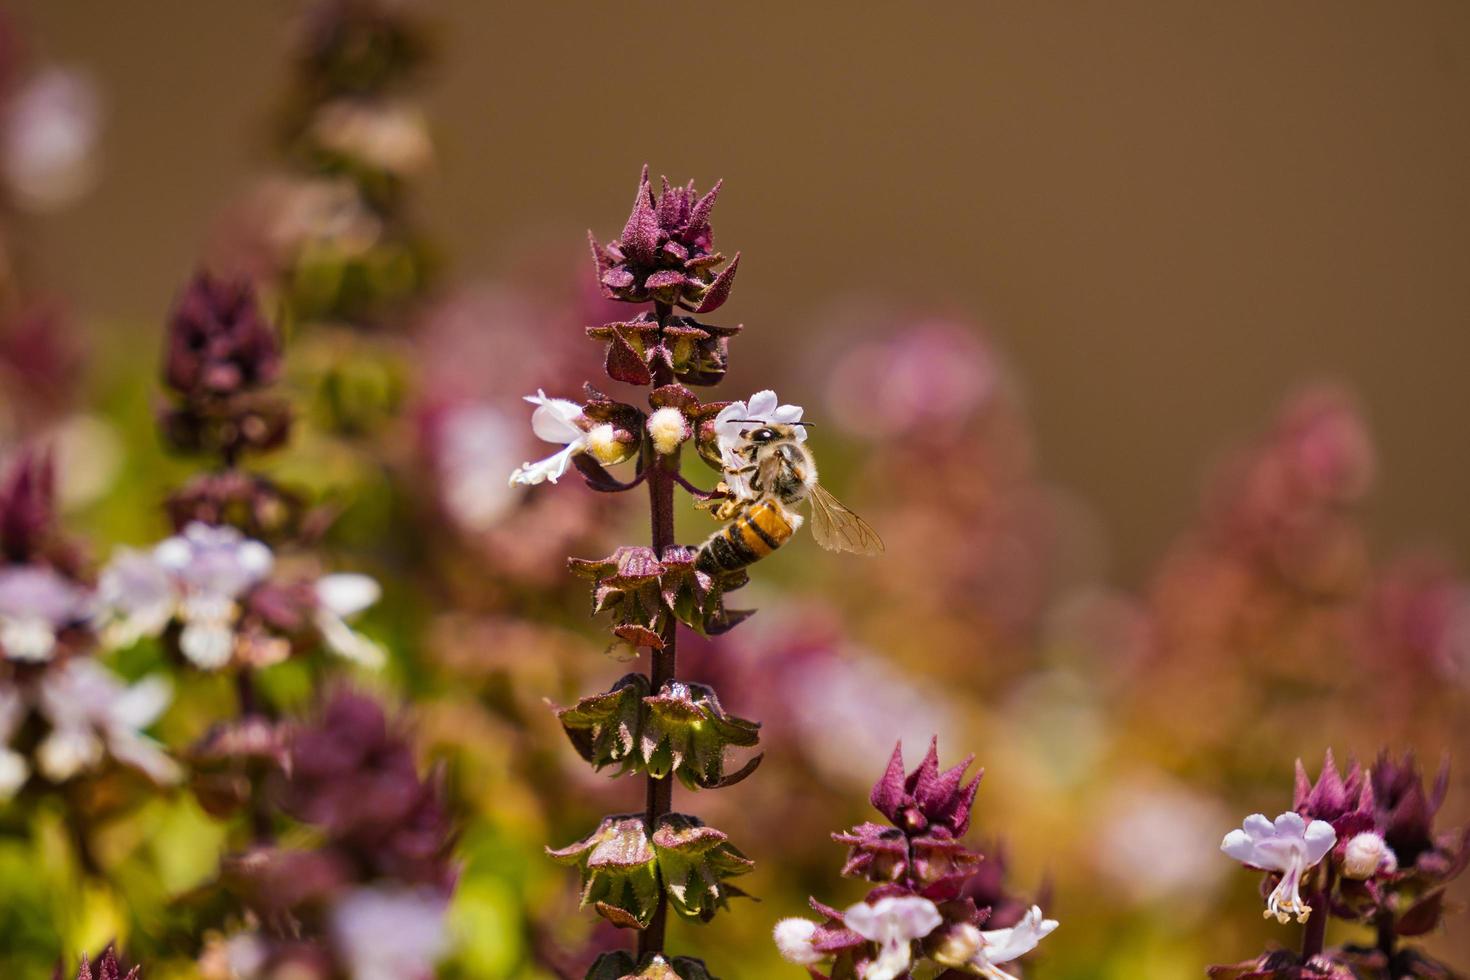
1139,331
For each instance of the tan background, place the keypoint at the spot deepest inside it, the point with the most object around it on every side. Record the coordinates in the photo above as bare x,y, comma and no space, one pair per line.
1168,212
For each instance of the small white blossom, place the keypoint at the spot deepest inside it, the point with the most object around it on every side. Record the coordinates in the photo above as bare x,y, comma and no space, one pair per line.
794,941
391,934
736,418
196,577
36,604
92,712
474,445
1289,846
1004,945
339,598
1367,854
557,420
667,428
893,923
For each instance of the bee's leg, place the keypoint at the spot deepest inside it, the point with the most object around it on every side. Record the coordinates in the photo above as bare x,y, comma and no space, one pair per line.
745,469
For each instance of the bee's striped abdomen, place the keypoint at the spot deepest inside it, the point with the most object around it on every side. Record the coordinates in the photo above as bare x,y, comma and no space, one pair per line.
755,532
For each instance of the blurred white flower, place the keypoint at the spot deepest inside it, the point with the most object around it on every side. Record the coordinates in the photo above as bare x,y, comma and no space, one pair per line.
1288,846
36,604
48,143
339,598
388,135
195,577
92,712
391,934
1154,843
13,767
475,444
893,923
736,418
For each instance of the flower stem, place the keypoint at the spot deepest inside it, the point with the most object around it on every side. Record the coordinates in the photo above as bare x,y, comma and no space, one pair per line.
1314,936
659,793
1386,935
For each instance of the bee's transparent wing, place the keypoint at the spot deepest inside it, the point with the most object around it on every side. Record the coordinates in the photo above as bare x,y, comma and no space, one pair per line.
838,529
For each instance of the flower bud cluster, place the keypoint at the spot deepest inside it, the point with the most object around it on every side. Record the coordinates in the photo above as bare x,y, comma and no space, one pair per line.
221,356
376,882
1359,847
931,900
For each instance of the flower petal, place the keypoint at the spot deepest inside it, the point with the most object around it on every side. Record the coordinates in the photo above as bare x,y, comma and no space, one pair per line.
1320,839
347,593
551,468
1290,824
1238,845
555,418
1258,827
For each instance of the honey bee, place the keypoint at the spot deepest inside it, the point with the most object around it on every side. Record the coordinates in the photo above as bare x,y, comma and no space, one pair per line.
780,473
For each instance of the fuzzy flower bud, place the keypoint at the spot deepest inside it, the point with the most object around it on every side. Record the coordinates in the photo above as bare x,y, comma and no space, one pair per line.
794,941
1365,855
668,429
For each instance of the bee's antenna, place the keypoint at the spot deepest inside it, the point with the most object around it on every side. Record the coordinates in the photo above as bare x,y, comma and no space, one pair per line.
808,425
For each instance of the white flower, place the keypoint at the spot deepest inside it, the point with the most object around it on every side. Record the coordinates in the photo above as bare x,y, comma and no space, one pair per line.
36,603
736,418
1289,846
794,941
391,934
13,767
474,445
667,428
91,711
340,597
893,923
1004,945
48,148
556,420
1365,855
195,577
391,135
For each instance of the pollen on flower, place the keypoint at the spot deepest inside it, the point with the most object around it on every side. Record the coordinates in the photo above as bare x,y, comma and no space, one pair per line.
668,429
603,444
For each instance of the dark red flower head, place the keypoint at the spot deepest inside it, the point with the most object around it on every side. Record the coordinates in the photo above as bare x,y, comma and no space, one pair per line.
1344,802
354,775
108,968
927,798
1403,808
219,341
27,505
666,251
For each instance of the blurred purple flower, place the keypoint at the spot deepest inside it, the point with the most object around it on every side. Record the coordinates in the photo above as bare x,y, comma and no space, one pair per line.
219,341
198,578
36,605
390,933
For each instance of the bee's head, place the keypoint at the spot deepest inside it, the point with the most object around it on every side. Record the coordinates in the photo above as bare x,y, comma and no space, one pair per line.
769,432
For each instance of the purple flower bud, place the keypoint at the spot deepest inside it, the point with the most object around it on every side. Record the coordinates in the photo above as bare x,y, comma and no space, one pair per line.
219,341
665,252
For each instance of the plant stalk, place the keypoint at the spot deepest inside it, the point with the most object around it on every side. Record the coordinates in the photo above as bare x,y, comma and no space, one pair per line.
659,793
